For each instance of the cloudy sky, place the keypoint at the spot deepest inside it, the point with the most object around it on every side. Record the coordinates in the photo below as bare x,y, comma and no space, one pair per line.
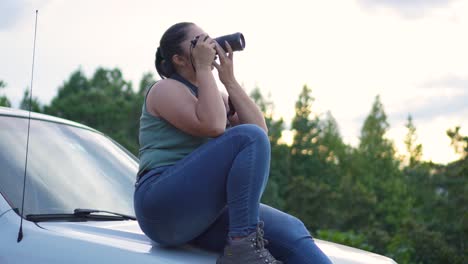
414,54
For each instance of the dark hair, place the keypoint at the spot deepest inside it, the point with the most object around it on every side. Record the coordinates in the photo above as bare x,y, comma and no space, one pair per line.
169,46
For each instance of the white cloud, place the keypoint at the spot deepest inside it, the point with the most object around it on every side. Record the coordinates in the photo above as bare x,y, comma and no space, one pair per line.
407,8
440,97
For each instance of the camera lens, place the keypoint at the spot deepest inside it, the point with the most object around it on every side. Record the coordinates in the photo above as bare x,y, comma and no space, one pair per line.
236,41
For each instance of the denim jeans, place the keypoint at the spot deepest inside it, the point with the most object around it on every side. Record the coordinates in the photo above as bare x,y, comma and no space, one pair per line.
214,192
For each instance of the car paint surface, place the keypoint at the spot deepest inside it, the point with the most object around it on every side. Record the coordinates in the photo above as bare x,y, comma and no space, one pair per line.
119,242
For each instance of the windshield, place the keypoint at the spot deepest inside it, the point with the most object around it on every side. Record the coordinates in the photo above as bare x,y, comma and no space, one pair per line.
68,168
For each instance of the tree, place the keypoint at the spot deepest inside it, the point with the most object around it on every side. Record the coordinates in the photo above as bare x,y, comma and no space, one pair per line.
312,193
373,143
413,149
332,150
377,170
436,232
306,130
458,142
35,105
3,99
146,81
451,189
278,179
105,102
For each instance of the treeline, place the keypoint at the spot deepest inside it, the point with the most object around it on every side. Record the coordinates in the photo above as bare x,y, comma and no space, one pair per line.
366,196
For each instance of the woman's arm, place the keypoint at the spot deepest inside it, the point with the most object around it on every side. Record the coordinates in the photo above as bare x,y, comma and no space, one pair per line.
247,111
233,119
209,108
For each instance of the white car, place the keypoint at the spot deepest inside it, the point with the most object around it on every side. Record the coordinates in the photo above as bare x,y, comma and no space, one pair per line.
74,173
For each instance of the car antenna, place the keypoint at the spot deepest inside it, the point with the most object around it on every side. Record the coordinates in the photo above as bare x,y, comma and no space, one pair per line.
20,232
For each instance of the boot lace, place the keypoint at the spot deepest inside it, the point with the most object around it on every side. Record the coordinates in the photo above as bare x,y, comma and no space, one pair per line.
258,242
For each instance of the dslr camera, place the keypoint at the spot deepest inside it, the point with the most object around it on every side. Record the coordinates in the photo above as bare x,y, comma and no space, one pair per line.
236,41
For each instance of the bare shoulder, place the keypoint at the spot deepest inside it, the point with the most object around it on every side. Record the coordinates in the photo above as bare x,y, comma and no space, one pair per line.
165,85
165,93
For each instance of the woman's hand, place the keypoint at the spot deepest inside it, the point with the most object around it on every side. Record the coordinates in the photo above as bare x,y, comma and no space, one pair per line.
225,67
204,52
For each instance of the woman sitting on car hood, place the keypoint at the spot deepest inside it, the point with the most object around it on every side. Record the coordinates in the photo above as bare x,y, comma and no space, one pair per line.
203,168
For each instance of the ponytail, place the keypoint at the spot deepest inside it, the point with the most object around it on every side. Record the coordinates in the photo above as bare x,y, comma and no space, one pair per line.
159,64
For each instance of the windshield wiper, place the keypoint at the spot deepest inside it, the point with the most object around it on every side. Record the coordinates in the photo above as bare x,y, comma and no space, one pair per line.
80,215
89,212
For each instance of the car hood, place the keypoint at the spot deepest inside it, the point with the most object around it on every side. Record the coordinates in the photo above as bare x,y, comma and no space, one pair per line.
127,236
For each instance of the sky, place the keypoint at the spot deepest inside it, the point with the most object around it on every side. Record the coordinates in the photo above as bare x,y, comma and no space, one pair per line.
414,54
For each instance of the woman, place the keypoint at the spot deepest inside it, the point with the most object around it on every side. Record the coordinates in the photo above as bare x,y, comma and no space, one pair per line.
203,168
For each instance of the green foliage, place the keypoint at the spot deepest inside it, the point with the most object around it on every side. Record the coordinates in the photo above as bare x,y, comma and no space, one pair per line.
309,184
377,170
306,129
459,142
305,159
412,147
106,102
373,144
3,99
416,244
312,202
349,238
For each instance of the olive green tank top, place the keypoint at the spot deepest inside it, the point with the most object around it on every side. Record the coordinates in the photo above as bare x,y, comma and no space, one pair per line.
160,142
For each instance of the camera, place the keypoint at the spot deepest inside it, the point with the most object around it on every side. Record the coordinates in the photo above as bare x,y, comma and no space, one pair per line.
236,41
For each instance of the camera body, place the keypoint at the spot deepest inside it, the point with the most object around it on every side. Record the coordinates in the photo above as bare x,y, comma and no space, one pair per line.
236,41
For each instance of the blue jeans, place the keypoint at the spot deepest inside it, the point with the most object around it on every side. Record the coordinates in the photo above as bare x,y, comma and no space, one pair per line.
214,192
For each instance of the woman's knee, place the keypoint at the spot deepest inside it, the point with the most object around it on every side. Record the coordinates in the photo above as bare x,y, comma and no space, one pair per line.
252,132
298,227
283,226
290,241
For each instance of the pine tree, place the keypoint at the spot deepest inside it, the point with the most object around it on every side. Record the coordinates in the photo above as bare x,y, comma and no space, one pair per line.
413,149
373,144
378,173
278,179
312,193
306,129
